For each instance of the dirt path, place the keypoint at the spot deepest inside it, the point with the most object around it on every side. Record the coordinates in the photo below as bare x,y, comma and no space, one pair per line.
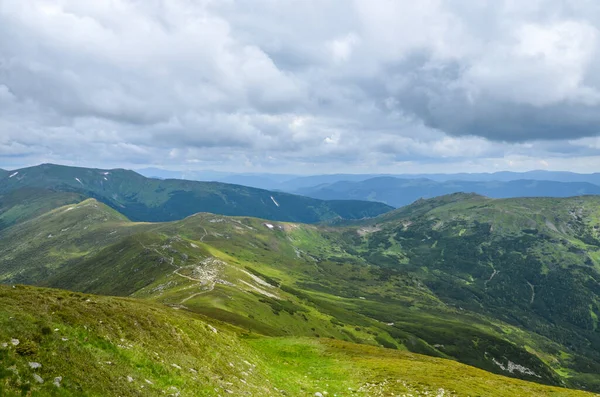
491,277
532,292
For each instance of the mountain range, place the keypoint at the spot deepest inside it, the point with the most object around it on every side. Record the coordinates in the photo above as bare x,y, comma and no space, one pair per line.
292,183
153,200
400,192
460,293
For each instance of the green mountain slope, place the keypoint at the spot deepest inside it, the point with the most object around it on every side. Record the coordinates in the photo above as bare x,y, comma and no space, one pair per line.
61,343
22,204
532,263
276,279
504,285
154,200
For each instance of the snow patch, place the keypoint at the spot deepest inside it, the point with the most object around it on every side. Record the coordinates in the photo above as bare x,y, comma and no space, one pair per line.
258,280
269,225
15,174
260,290
78,180
275,201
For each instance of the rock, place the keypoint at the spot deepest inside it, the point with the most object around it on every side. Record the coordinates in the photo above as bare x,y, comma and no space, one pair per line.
129,379
35,365
57,381
38,378
15,342
318,394
5,345
175,366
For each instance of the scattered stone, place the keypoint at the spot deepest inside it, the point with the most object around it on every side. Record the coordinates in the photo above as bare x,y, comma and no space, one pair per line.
38,378
15,342
175,366
64,339
318,394
129,379
148,382
192,370
35,365
5,345
213,329
57,381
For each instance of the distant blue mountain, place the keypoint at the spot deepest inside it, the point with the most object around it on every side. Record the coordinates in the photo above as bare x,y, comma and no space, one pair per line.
398,192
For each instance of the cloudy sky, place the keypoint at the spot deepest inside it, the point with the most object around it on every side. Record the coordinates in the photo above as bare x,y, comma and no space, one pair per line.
304,86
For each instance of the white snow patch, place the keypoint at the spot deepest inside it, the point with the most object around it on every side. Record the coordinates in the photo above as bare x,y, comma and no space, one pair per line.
258,279
260,290
269,225
105,178
78,180
106,173
15,174
275,201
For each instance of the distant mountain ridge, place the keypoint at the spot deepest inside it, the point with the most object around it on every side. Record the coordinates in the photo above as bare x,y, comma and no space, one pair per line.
290,182
153,200
399,192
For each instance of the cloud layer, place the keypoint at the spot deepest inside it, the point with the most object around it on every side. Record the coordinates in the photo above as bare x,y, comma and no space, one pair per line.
301,85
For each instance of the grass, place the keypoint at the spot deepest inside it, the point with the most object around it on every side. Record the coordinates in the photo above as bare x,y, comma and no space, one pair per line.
101,346
418,280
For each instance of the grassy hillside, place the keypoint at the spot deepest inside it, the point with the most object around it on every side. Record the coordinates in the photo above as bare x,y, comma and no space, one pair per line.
275,279
62,343
532,263
154,200
23,204
504,285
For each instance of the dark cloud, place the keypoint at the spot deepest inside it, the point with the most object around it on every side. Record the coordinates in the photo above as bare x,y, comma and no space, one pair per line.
361,85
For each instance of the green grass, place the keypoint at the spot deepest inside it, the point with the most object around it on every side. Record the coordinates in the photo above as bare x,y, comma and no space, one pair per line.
101,346
418,280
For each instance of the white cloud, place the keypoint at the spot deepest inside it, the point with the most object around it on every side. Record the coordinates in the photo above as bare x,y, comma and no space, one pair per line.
358,84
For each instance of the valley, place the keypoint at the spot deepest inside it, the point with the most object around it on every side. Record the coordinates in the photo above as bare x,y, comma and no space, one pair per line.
507,286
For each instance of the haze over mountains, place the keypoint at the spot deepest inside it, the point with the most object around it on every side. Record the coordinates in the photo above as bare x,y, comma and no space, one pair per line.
399,190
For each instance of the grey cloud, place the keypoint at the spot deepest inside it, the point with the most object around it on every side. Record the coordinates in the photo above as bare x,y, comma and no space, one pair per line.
301,82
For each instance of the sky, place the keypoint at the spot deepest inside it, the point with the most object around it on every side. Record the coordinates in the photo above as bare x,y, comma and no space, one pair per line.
301,86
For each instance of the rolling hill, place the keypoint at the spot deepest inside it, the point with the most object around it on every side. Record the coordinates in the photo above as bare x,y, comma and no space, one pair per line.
399,192
61,343
504,285
153,200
